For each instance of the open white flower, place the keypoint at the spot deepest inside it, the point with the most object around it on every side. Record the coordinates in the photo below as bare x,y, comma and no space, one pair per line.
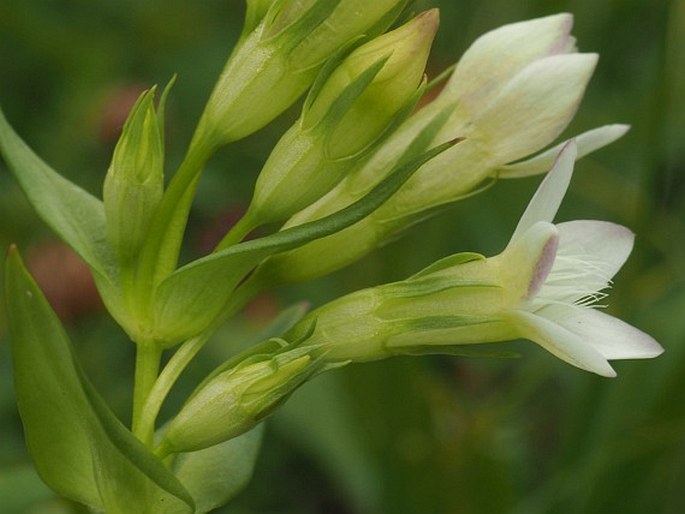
576,265
542,287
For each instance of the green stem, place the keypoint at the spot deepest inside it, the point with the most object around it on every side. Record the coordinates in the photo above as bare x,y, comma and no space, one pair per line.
148,357
167,378
186,352
237,233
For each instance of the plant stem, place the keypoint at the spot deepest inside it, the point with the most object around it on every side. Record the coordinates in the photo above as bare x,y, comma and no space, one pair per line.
187,351
148,357
237,233
167,378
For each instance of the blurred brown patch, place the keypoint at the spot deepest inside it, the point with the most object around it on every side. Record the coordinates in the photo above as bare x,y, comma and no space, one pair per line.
262,309
210,235
65,280
114,111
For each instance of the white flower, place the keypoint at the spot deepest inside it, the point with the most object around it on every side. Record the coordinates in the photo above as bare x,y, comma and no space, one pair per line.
543,287
575,267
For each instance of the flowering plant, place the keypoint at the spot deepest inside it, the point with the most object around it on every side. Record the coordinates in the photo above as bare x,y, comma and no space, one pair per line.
359,165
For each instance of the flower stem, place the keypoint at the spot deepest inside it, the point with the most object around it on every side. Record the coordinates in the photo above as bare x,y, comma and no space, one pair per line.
148,357
167,378
180,360
237,233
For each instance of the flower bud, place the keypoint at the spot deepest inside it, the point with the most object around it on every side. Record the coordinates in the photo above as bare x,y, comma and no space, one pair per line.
236,400
135,178
406,50
274,63
357,102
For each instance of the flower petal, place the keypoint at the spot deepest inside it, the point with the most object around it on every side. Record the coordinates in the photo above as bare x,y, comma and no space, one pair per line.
495,57
587,143
535,106
547,199
610,336
599,248
562,343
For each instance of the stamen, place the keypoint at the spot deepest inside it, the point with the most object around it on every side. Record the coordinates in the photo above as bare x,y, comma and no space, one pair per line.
577,277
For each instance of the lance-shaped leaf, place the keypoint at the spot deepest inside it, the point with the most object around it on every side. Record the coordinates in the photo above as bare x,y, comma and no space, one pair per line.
79,447
190,299
74,214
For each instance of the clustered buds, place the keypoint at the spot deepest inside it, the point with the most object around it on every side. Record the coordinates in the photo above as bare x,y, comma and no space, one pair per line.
513,92
344,116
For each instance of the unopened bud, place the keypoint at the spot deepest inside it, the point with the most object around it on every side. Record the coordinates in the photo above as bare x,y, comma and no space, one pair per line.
236,400
276,62
135,179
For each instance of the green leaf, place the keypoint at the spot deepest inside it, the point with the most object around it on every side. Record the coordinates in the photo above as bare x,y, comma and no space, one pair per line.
73,213
191,298
79,447
215,475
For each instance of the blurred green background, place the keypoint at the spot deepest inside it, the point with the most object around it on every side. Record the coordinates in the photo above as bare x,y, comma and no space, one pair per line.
429,435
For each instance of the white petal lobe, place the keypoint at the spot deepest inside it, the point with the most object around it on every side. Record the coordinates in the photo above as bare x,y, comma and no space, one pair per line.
563,343
587,143
610,336
547,199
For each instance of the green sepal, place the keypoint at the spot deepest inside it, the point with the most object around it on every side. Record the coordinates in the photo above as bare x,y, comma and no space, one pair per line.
255,11
189,300
161,109
270,345
448,262
215,475
290,35
442,77
327,70
79,447
134,183
256,353
418,145
345,99
395,122
428,323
